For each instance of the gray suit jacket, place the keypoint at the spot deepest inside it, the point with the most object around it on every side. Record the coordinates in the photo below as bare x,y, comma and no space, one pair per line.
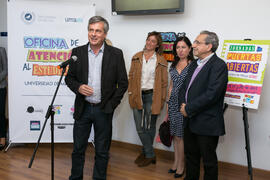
3,67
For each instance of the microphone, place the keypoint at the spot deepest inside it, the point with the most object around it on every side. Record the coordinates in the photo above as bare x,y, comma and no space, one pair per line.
67,62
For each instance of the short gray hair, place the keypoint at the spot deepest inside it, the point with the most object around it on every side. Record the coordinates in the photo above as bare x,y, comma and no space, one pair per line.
211,38
96,19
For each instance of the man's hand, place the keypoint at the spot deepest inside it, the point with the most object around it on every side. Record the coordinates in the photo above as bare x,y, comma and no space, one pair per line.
183,110
86,90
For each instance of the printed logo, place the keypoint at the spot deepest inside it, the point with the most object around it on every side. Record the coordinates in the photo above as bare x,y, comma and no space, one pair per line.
57,109
28,17
31,109
61,127
72,110
248,99
74,20
34,125
259,49
232,96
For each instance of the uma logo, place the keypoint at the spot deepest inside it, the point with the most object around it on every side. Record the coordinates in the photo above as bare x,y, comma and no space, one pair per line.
28,17
74,20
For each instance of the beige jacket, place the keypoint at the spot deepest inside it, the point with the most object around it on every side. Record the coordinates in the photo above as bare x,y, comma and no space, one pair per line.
160,84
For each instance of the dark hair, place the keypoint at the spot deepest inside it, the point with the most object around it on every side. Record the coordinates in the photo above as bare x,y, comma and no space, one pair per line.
190,55
211,38
158,49
96,19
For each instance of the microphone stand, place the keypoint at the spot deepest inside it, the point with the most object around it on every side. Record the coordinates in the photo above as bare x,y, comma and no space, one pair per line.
50,113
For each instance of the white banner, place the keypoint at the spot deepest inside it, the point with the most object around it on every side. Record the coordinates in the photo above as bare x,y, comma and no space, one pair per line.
40,37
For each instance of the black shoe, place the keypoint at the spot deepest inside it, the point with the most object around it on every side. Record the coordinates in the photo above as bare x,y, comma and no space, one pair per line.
2,147
171,171
179,175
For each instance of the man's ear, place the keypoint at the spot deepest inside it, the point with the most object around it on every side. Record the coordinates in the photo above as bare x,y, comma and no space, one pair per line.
209,47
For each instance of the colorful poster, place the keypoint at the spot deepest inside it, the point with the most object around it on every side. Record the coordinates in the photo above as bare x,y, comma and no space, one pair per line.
168,39
40,37
246,61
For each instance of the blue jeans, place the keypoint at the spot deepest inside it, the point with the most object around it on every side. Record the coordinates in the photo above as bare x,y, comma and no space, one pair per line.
145,123
3,93
81,131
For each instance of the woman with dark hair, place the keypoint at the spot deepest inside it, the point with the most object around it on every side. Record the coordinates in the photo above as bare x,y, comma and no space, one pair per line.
183,55
148,81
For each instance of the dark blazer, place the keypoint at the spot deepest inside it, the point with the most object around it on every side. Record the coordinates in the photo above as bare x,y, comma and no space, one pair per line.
205,97
114,81
3,68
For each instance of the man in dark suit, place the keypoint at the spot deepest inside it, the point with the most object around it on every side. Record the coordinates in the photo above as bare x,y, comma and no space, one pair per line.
99,80
3,93
203,96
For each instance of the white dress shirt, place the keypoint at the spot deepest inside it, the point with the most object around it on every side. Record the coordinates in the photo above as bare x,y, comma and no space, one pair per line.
148,72
94,74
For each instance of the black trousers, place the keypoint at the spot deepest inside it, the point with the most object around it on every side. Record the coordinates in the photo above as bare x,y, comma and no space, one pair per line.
102,122
3,93
197,147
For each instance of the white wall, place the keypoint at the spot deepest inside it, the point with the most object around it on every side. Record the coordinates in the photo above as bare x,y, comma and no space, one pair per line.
230,19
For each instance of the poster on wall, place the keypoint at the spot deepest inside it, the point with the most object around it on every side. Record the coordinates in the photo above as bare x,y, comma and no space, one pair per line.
168,39
246,62
41,36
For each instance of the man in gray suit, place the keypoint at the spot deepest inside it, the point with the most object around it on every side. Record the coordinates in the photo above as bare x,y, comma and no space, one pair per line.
3,92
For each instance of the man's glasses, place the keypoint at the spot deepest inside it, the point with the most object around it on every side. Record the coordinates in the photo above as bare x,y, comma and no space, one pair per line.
198,42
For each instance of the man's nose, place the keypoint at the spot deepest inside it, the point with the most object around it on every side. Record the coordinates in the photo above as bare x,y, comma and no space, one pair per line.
94,33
